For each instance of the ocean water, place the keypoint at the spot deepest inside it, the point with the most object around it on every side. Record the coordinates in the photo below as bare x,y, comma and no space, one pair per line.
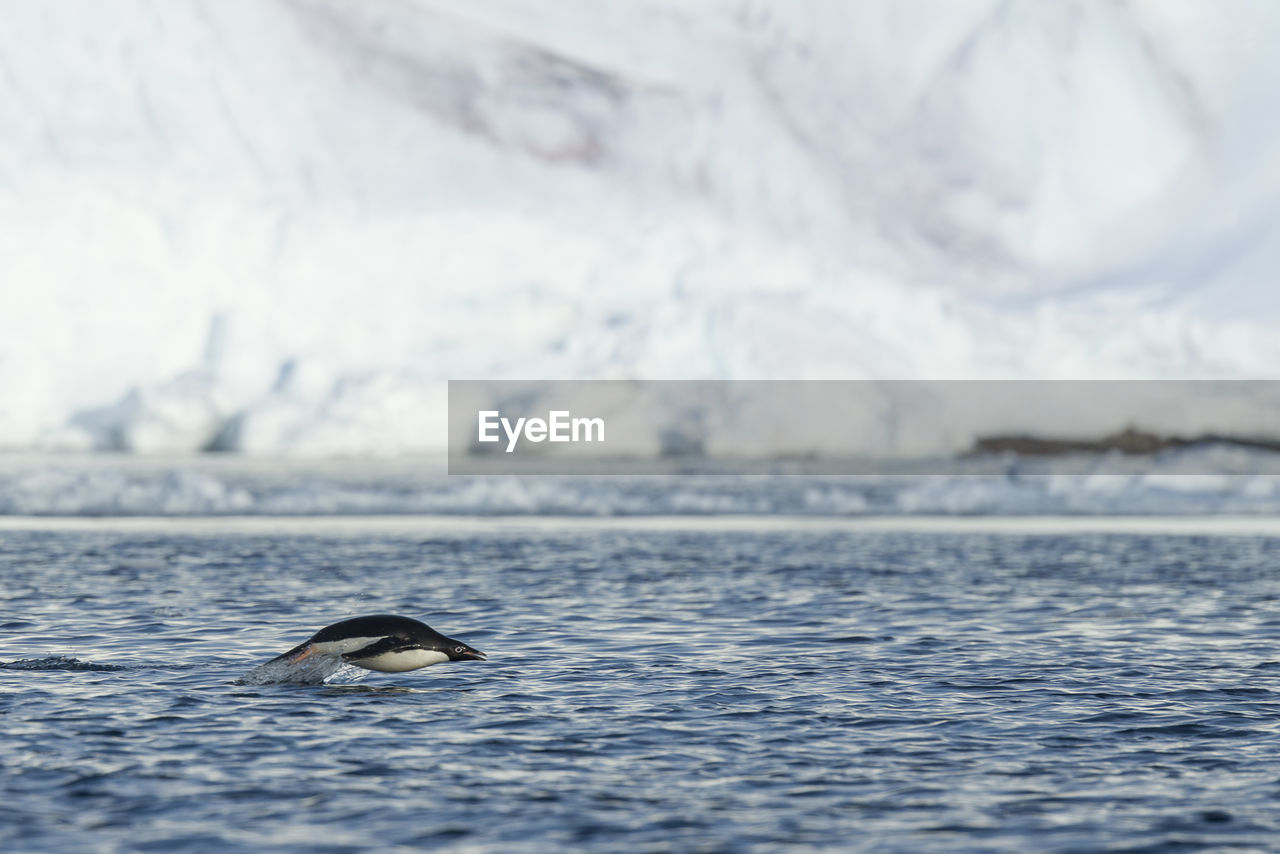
654,685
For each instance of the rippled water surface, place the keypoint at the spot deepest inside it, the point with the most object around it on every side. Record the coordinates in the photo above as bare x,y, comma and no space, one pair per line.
648,689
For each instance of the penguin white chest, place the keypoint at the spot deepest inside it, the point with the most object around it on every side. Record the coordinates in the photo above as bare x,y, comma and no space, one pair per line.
401,660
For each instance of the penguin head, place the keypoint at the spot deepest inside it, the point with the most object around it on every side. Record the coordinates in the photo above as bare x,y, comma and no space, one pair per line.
459,651
425,637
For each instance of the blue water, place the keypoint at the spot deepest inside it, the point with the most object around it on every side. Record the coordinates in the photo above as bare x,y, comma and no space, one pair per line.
648,689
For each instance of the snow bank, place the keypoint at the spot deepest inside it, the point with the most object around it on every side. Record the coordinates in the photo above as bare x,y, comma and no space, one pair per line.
278,227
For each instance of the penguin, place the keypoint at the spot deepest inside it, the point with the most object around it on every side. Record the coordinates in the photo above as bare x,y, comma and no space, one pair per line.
383,642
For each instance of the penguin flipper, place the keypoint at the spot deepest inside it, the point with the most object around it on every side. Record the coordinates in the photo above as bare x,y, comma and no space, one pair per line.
375,649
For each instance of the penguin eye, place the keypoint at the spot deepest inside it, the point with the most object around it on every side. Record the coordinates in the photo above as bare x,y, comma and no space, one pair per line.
458,649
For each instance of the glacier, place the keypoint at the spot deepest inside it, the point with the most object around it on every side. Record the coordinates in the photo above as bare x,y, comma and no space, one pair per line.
277,228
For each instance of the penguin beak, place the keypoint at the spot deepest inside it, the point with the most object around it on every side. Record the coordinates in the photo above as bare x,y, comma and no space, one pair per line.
469,654
305,654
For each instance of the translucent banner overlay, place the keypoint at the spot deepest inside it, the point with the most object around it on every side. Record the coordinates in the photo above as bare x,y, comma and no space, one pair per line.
881,427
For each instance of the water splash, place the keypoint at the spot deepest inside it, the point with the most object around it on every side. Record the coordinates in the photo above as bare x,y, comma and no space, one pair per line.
318,669
59,662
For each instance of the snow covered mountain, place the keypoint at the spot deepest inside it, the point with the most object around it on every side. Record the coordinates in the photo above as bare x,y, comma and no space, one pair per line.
278,226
